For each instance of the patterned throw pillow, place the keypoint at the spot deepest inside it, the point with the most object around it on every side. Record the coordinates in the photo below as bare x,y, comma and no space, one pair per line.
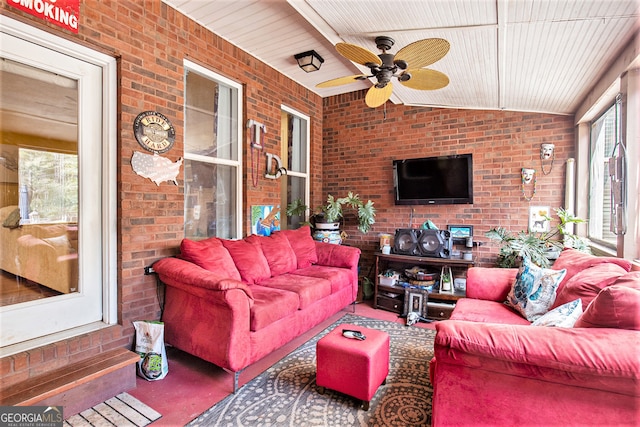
564,316
534,290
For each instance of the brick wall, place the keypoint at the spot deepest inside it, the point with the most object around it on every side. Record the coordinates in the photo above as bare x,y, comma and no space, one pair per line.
360,144
150,41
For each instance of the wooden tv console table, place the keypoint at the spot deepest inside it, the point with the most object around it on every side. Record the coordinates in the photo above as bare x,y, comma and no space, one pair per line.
391,298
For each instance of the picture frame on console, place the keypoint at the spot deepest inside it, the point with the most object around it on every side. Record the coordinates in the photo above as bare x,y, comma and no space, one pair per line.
460,233
415,301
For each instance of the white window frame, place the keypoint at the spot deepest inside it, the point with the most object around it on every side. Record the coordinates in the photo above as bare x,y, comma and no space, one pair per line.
626,80
307,175
101,216
189,65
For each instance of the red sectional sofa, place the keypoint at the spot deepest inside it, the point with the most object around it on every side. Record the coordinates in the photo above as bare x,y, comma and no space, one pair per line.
232,302
493,367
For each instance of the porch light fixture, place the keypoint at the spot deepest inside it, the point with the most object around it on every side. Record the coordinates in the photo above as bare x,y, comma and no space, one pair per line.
309,61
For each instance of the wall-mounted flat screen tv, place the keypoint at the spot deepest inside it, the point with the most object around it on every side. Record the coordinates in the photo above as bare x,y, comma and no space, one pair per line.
434,180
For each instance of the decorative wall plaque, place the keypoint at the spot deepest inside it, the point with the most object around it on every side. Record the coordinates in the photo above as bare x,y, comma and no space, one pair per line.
154,132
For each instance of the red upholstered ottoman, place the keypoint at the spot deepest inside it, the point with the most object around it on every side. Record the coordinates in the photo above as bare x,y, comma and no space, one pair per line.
353,367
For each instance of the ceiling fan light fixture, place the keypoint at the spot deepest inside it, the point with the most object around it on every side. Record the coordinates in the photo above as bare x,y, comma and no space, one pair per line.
408,66
402,64
309,61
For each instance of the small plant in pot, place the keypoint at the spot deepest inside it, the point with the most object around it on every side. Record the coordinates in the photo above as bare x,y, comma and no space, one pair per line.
330,216
539,248
365,212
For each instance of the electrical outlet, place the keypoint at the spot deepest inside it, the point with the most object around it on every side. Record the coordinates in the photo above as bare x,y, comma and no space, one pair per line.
149,270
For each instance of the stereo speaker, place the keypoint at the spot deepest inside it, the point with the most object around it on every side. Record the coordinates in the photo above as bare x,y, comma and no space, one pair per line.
406,241
435,243
417,242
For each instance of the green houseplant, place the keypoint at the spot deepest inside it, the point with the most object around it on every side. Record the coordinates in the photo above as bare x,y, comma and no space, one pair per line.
333,211
537,247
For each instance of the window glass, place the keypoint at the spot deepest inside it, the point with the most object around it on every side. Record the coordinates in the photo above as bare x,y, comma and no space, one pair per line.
296,156
603,141
297,144
212,156
48,184
39,178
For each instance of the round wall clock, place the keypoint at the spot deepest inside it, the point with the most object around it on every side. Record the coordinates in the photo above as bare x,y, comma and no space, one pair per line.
154,132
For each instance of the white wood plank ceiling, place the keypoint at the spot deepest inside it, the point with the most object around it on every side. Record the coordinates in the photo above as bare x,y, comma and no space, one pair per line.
521,55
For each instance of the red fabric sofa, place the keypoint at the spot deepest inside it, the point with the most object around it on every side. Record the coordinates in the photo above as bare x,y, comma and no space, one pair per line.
231,302
492,367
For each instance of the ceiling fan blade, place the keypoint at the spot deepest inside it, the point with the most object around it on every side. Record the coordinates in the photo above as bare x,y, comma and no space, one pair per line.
426,79
342,80
377,96
423,52
358,54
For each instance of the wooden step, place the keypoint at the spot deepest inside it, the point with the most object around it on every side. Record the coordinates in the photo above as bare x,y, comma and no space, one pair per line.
78,386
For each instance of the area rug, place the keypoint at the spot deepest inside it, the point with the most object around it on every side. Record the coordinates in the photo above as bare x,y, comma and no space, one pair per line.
286,393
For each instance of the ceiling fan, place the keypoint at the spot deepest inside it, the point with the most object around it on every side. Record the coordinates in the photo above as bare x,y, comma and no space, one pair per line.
406,65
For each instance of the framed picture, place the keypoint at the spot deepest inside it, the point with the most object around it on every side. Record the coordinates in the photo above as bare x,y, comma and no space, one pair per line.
459,233
265,219
538,219
415,300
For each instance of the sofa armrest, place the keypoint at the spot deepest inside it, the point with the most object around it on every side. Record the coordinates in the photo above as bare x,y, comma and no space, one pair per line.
587,357
331,255
490,283
185,275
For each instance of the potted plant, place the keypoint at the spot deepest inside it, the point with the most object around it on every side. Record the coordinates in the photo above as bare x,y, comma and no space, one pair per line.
537,247
446,280
298,209
365,211
329,216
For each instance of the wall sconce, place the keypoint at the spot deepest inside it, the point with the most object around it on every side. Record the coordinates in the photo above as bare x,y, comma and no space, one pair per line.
309,61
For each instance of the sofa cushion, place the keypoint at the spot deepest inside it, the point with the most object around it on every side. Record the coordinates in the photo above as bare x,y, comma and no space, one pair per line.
270,305
490,283
564,316
568,356
587,283
534,290
308,289
189,277
303,245
616,306
338,277
209,254
249,260
278,252
574,261
476,310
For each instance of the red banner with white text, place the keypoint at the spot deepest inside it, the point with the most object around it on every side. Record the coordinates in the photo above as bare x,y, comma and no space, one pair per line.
64,13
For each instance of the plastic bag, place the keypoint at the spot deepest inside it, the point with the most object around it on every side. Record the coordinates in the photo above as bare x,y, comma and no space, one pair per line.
153,364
